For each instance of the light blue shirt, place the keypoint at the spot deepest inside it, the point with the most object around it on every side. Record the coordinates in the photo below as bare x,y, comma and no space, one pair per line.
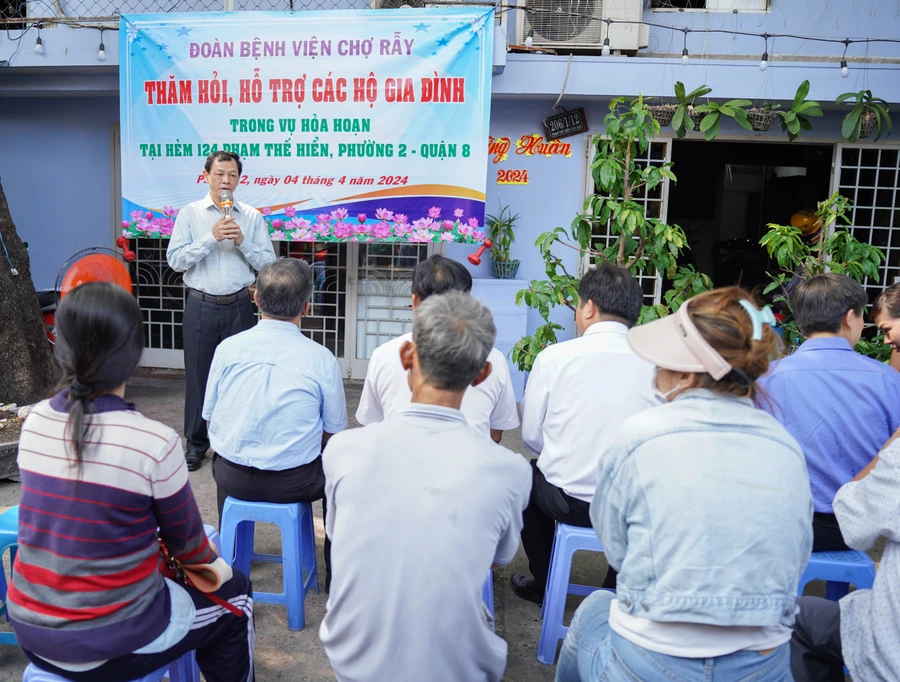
840,406
218,268
270,395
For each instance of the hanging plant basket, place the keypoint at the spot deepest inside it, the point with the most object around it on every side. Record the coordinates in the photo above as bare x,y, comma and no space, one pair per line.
505,269
696,117
866,124
663,113
761,119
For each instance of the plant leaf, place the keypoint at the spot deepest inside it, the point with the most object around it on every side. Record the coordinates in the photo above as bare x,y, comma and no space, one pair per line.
708,121
802,92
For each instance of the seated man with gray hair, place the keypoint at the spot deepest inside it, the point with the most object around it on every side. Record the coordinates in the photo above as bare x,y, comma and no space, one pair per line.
420,506
273,400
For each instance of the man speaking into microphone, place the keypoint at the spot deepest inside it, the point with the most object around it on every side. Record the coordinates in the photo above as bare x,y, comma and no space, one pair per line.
219,244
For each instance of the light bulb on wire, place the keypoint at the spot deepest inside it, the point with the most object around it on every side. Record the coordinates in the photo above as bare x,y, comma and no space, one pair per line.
764,62
101,54
529,39
845,72
685,59
39,46
605,50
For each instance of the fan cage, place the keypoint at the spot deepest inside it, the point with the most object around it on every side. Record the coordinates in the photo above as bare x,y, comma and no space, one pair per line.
64,270
575,22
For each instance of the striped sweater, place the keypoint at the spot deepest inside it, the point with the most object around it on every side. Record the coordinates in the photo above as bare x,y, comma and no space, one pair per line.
86,583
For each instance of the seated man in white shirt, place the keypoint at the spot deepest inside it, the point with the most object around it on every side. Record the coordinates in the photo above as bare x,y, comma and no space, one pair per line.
273,400
489,407
577,394
420,506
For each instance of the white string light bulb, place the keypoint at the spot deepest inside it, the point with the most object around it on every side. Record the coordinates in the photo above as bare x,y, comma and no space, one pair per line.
605,50
845,72
101,55
764,62
685,59
529,39
39,46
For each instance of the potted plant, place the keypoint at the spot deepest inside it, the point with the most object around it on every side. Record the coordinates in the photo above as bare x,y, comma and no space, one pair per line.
713,113
686,117
663,112
502,234
867,114
796,118
762,118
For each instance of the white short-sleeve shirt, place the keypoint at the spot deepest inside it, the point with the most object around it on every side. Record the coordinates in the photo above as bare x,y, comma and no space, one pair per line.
490,405
419,507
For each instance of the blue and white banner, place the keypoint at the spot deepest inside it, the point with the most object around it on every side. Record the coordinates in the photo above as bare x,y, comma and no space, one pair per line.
366,125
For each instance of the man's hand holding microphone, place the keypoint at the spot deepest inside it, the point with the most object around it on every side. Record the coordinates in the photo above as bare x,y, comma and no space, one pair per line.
226,227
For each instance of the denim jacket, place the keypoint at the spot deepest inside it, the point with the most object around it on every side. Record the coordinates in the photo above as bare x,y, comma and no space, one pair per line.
704,509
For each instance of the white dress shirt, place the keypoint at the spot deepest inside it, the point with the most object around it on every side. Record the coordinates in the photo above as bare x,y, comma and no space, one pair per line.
218,268
577,394
490,405
419,507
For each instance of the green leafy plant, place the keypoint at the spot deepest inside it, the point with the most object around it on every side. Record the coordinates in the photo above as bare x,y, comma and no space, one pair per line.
502,233
796,118
641,244
837,251
713,113
681,120
866,109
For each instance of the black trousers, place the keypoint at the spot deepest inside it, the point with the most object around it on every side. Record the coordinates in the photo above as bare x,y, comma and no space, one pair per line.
549,504
301,484
204,326
827,534
816,654
223,642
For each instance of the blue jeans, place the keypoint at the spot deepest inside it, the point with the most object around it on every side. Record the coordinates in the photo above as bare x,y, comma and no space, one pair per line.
593,652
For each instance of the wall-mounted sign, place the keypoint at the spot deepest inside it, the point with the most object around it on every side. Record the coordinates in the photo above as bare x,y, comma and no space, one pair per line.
566,124
360,125
527,145
509,176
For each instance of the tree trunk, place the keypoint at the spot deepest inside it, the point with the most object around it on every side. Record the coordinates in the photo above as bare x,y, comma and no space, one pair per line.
27,368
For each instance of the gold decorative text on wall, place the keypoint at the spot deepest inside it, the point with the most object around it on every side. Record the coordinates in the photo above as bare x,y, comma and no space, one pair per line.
527,145
508,176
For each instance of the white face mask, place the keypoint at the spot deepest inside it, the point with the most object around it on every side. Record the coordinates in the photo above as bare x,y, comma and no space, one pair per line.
660,396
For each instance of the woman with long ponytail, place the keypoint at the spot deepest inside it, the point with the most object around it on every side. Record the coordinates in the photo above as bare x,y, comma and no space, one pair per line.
106,508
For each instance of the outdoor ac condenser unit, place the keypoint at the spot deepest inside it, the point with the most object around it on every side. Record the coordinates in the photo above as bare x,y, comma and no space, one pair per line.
500,24
580,25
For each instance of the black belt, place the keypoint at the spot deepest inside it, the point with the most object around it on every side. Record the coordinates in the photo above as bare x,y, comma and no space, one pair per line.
219,300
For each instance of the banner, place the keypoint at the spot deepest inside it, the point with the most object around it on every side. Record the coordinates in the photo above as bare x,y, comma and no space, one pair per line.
362,125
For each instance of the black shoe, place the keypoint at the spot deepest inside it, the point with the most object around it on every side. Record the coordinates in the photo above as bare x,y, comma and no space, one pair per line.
194,459
526,588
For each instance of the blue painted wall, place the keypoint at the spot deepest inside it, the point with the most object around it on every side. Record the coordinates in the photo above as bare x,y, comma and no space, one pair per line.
55,169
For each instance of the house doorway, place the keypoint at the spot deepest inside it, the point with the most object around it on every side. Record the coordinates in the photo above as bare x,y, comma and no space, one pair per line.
729,191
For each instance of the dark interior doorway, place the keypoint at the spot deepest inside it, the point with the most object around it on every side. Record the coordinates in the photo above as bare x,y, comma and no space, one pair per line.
726,194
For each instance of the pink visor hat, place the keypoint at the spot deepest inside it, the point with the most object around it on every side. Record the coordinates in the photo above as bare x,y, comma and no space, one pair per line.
674,343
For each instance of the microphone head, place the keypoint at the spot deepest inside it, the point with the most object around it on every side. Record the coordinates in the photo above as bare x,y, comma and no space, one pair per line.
227,198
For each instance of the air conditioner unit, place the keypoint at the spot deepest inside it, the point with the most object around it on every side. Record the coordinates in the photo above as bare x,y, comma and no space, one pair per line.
501,21
580,25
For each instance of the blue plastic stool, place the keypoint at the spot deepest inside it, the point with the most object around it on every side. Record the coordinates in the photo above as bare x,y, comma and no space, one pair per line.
298,549
183,670
487,592
840,570
9,539
566,541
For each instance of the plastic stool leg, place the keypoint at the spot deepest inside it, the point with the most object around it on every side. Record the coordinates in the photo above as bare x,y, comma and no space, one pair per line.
184,669
308,546
835,591
552,629
487,592
243,546
294,593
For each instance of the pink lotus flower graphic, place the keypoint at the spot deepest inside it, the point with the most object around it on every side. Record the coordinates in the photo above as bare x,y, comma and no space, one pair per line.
290,211
401,229
149,215
362,217
267,211
384,214
322,228
446,237
478,235
136,215
448,225
400,218
170,211
339,213
300,224
434,212
323,218
473,222
382,230
278,235
342,230
422,223
421,236
277,224
126,224
458,213
466,230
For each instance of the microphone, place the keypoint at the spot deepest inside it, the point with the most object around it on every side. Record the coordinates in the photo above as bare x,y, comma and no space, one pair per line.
227,202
